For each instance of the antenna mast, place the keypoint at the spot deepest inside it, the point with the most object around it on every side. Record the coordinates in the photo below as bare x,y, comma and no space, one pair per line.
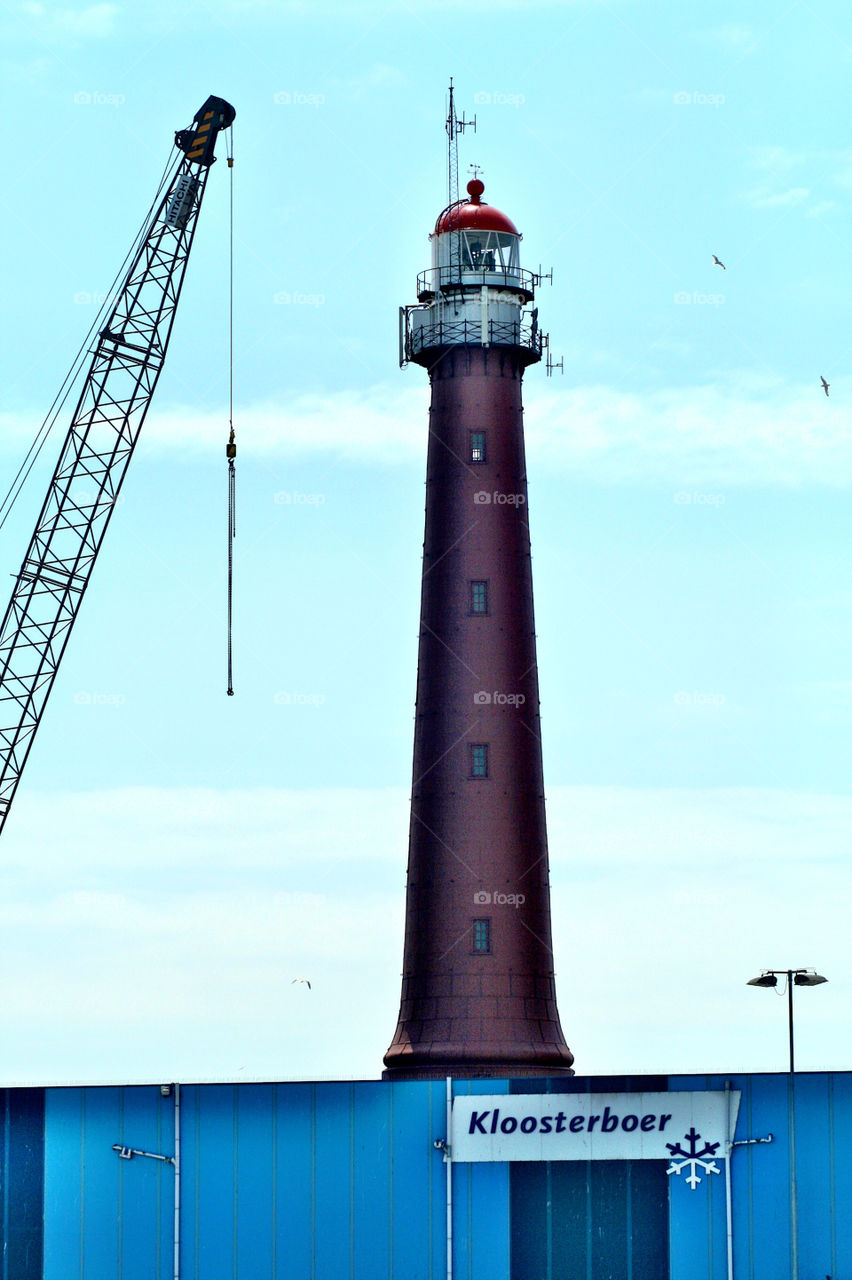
454,127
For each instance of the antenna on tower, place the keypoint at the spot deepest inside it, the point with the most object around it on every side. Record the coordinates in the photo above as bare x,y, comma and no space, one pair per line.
454,126
541,275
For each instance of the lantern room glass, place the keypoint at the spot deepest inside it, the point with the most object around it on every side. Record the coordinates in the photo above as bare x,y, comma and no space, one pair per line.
489,251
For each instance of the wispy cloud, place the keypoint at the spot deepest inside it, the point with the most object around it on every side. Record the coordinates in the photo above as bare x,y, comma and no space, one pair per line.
735,36
160,945
275,9
762,198
372,79
94,21
816,168
738,430
775,159
189,827
741,429
823,208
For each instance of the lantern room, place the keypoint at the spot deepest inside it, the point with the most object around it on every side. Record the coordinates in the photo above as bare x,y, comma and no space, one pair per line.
474,244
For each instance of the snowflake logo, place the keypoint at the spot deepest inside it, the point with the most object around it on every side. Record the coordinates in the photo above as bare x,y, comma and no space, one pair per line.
693,1159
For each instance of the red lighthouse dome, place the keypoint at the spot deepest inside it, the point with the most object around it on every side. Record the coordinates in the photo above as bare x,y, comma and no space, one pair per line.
473,215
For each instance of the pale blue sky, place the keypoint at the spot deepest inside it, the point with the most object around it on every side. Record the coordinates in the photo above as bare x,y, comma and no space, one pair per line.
689,506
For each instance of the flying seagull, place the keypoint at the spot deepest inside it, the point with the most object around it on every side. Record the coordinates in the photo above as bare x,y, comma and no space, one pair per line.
718,263
302,980
825,385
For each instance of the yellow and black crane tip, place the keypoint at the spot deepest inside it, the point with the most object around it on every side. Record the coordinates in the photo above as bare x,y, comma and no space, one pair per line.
198,144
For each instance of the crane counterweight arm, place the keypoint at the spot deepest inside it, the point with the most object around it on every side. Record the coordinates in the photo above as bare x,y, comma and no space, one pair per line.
126,362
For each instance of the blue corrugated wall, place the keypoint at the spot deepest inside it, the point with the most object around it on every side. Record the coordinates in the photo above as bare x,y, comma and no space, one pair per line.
104,1216
761,1183
341,1181
312,1180
21,1183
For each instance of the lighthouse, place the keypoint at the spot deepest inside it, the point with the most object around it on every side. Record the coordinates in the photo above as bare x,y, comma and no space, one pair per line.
478,992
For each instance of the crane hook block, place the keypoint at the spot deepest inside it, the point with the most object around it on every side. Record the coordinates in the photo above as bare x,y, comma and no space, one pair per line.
199,143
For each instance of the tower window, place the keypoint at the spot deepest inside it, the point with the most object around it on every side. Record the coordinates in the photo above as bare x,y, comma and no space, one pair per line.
479,597
479,760
477,446
482,936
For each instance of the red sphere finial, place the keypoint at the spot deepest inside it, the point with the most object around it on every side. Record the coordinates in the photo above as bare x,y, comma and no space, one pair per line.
475,189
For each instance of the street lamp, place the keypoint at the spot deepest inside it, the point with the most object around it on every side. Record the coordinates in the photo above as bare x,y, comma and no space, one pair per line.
795,978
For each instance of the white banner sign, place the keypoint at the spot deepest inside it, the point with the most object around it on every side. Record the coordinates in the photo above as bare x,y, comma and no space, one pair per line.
594,1126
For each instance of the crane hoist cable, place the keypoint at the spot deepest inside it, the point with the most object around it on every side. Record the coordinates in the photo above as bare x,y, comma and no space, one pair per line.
231,453
231,448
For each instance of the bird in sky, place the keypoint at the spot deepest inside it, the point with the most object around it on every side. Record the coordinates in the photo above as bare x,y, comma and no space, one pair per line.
719,264
825,385
302,980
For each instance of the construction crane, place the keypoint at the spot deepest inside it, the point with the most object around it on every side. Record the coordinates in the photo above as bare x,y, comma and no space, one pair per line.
127,357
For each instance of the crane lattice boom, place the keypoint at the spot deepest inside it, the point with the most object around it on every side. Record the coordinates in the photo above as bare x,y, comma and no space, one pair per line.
126,363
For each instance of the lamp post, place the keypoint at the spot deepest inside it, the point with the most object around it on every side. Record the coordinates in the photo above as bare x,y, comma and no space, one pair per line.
795,978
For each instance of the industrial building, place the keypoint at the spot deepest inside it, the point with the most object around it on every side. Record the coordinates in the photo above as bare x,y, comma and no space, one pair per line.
368,1180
